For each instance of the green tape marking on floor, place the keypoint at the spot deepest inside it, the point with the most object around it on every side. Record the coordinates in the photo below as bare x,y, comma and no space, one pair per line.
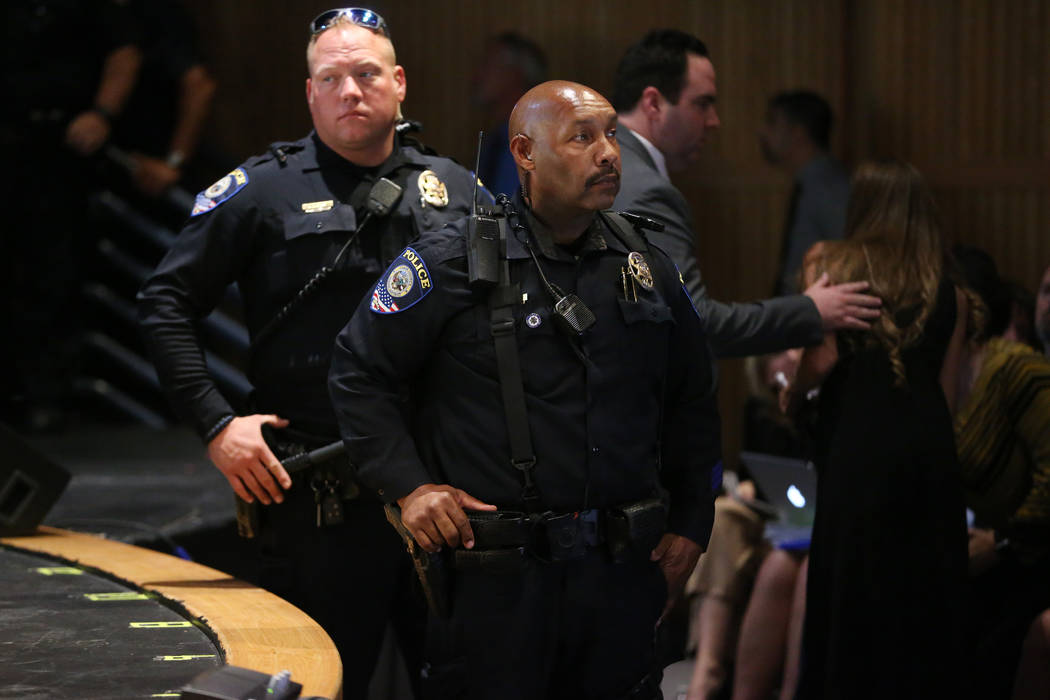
59,571
126,595
184,657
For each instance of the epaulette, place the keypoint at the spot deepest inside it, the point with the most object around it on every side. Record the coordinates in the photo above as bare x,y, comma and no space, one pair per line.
406,131
280,151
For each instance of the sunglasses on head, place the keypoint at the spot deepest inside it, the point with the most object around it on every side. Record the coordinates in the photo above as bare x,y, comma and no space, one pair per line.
360,16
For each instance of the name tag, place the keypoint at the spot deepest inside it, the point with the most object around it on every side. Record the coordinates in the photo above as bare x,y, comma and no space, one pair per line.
315,207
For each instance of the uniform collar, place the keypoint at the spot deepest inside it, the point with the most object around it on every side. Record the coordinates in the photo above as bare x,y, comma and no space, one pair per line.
318,155
598,237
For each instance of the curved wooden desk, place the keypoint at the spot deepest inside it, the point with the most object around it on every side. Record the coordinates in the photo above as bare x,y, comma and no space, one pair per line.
254,629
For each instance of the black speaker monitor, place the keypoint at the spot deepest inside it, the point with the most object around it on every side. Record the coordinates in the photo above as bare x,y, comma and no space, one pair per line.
29,484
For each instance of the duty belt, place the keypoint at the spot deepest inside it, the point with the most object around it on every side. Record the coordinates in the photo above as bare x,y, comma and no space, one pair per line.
506,540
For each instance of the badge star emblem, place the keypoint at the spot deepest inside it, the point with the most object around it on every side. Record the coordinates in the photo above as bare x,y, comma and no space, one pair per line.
639,270
432,190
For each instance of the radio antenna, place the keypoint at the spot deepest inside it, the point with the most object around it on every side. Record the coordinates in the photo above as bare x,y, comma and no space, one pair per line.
477,177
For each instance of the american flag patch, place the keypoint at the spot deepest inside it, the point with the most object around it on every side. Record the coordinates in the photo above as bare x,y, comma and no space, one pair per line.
382,302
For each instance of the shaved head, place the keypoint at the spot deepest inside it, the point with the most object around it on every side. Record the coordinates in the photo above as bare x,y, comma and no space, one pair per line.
563,139
548,102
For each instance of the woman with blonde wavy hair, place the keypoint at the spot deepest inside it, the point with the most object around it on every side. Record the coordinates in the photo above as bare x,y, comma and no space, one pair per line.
888,557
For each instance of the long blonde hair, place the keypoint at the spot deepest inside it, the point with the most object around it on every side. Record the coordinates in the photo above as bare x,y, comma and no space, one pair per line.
894,242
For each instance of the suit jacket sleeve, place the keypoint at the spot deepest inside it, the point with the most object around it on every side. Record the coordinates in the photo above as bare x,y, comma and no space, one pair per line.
733,329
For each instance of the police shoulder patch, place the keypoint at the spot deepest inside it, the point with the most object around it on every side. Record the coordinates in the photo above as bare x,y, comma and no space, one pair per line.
404,284
224,188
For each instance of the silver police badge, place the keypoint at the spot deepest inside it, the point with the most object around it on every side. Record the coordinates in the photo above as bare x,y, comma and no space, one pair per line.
400,281
432,190
639,270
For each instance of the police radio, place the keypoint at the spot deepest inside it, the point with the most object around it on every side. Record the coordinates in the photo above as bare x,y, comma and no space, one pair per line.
571,315
483,237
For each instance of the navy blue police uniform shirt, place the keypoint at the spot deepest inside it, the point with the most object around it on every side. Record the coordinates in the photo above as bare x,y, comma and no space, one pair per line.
269,226
416,391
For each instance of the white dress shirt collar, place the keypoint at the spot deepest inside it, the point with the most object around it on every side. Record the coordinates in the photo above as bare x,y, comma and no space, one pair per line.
654,153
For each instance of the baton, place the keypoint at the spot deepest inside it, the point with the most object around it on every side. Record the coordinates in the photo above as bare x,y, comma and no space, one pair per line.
304,460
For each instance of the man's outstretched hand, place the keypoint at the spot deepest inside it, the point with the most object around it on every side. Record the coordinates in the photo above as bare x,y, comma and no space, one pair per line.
843,306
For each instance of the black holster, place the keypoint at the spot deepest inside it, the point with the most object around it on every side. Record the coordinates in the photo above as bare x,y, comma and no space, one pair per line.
634,530
433,570
507,540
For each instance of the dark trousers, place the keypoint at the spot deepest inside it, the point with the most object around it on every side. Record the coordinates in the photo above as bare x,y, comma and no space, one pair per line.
579,629
351,578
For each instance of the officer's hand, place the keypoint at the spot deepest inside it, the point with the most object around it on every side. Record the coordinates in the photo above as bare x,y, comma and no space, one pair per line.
677,556
243,457
433,513
842,306
152,175
87,132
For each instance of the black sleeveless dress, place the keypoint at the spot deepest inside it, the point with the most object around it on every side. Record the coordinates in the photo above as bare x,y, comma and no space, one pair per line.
888,558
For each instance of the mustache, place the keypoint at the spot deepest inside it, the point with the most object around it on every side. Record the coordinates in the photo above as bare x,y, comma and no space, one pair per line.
603,174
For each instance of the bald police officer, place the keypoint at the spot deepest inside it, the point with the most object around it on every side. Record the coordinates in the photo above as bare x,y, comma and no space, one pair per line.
573,496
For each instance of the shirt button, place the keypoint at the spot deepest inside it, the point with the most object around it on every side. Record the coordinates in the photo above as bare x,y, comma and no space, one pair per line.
380,492
595,450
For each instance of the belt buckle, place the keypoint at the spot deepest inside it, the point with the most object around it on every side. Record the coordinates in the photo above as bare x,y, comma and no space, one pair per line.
565,537
590,527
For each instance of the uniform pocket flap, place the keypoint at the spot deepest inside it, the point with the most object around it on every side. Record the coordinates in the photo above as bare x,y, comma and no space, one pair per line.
645,310
320,217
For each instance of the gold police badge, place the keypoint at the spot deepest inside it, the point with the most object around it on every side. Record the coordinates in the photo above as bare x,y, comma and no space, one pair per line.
432,190
639,270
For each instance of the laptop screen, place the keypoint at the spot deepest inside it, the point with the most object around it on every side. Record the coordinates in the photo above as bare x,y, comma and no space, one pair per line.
790,487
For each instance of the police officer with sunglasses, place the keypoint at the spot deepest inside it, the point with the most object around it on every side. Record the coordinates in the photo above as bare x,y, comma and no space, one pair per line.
304,230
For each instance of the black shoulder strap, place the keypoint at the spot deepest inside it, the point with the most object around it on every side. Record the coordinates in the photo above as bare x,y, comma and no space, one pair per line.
502,301
625,230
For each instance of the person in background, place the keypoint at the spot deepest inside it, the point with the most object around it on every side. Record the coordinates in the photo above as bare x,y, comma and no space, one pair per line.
665,95
68,69
162,123
510,66
1002,431
1042,311
888,549
797,139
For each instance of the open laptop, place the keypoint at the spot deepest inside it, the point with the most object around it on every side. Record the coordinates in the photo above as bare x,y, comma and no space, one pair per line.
790,487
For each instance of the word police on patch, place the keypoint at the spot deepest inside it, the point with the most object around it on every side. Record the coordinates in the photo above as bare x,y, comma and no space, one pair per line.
405,282
218,193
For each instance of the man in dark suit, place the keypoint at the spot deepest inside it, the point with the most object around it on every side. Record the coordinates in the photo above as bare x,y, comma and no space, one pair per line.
796,139
665,96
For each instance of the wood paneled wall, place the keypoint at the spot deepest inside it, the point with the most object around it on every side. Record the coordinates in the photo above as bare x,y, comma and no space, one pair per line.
958,87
